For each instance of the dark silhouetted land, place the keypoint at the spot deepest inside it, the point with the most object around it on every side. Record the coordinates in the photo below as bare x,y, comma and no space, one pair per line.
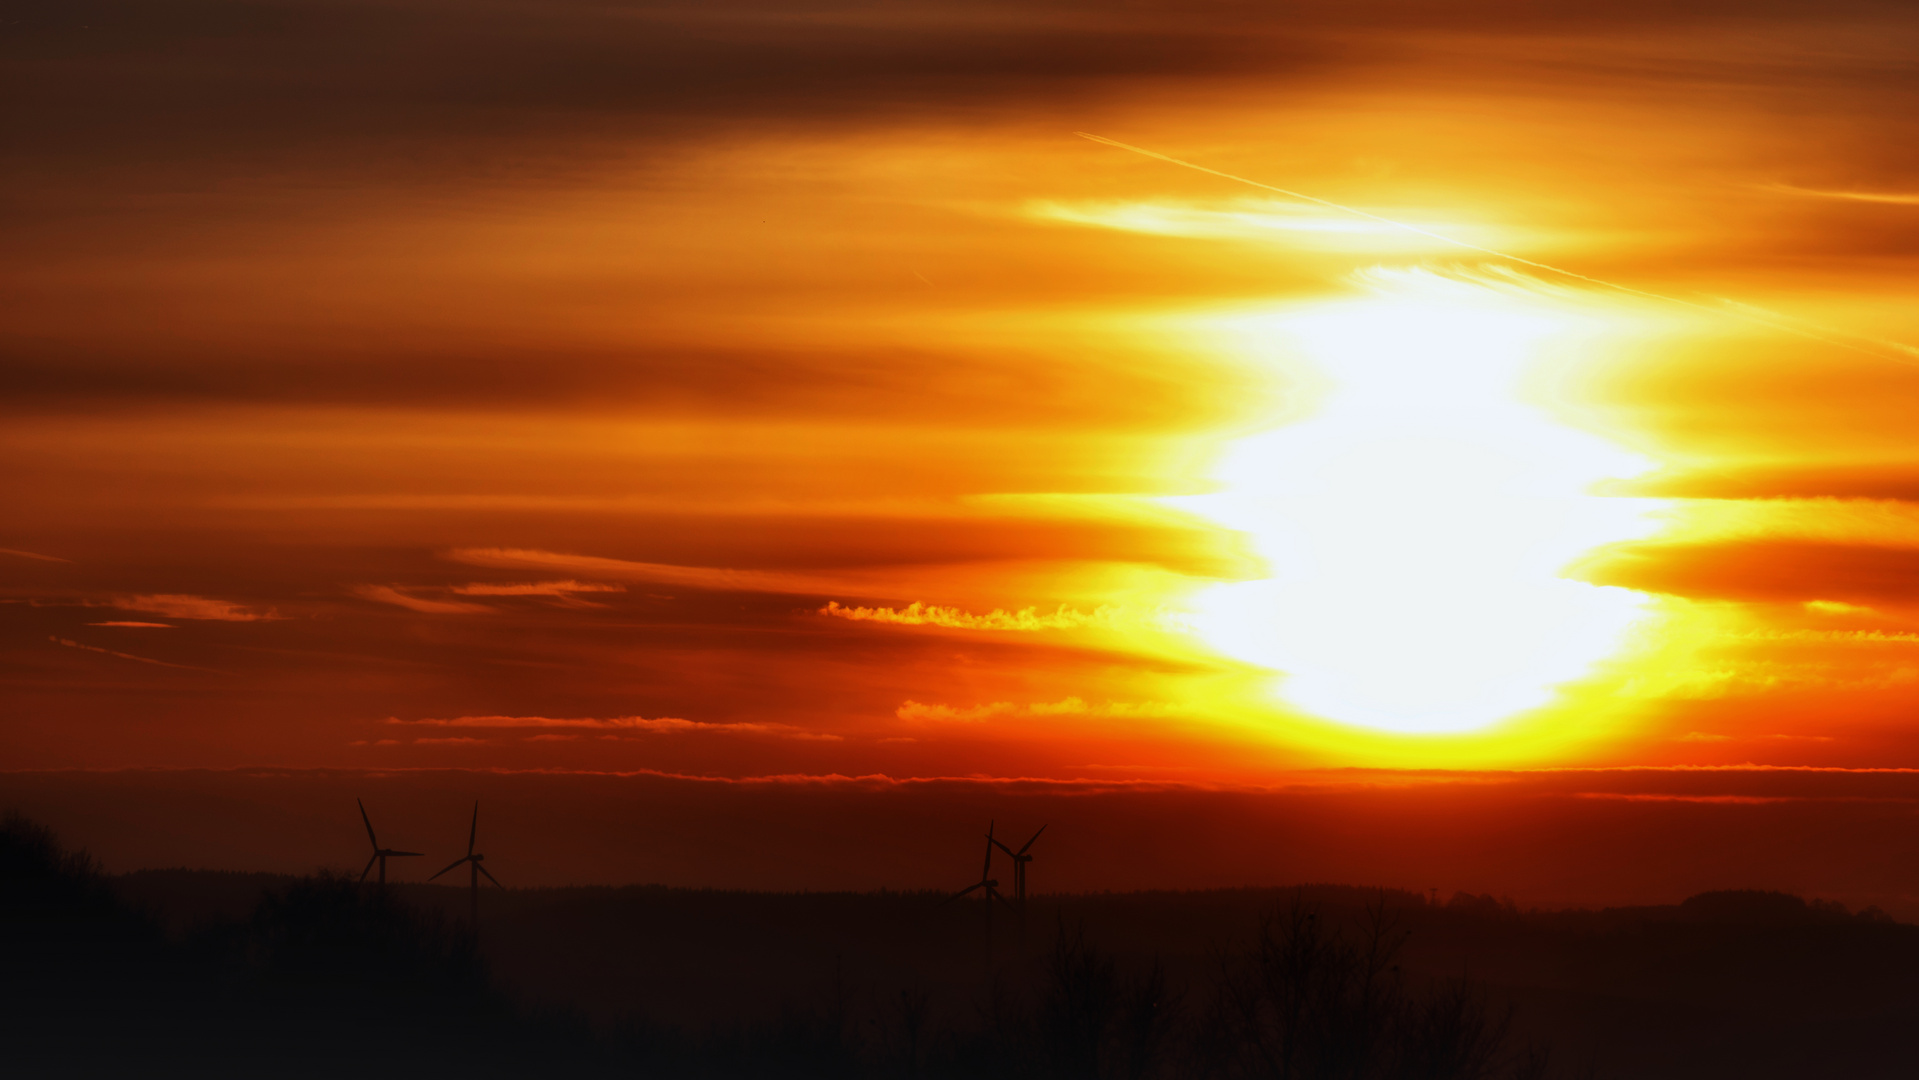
201,973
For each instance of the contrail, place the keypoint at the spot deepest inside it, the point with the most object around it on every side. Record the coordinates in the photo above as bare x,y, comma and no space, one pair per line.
1522,260
129,656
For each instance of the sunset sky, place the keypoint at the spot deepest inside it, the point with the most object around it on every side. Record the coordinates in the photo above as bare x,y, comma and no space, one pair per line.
741,419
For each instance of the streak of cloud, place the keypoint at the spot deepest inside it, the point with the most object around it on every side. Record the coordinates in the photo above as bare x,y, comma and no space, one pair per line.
187,606
663,725
718,579
1072,706
71,644
535,588
1247,219
1896,198
560,593
18,554
387,594
1860,343
1027,619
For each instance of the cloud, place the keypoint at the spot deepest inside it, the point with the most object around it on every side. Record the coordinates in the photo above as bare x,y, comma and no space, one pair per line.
1072,706
448,740
387,594
1759,679
15,552
1240,219
129,656
664,725
919,614
187,606
696,577
1835,607
1899,198
152,625
561,592
1762,570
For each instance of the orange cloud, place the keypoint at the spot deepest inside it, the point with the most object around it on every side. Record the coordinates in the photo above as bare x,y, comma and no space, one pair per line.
18,554
559,589
697,577
186,606
657,725
126,656
1025,619
1898,198
387,594
1072,706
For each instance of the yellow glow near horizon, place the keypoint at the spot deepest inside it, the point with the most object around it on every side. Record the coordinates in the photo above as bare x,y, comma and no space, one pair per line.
1417,523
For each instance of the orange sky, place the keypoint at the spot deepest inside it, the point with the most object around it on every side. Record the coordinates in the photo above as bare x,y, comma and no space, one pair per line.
405,385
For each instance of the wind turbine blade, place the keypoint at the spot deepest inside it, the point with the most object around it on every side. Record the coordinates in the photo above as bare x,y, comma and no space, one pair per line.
1000,846
963,892
481,867
1029,843
995,894
473,833
986,868
369,825
369,866
455,863
399,853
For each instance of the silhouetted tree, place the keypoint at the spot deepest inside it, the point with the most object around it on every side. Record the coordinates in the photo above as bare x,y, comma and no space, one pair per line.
1310,1002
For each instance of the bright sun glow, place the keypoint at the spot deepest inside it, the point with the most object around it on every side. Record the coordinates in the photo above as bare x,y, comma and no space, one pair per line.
1417,524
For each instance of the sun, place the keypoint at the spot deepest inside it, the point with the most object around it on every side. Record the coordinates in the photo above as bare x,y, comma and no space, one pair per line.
1417,522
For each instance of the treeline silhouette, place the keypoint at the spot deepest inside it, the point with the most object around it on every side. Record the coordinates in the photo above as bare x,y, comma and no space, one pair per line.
321,978
208,974
328,977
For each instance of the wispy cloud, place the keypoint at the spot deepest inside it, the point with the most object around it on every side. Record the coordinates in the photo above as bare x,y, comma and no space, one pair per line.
71,644
387,594
1234,219
1899,198
1072,706
695,577
18,554
919,614
149,625
1836,607
662,725
534,588
1025,619
560,592
187,606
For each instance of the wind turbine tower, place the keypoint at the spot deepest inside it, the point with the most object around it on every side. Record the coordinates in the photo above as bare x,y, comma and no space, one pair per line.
991,886
473,859
380,854
1020,859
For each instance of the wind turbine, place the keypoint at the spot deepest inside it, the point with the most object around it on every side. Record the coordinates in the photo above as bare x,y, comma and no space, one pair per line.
380,854
473,859
1020,859
991,885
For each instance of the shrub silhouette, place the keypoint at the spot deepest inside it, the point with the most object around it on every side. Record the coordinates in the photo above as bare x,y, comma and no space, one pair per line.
1313,1002
1094,1024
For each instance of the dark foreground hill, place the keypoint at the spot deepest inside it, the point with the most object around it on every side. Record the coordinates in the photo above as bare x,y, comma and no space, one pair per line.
225,974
